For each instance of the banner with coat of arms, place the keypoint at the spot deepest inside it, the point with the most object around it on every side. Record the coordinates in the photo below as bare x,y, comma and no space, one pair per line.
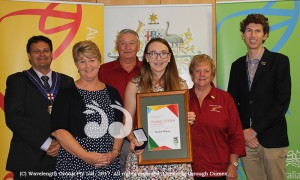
187,28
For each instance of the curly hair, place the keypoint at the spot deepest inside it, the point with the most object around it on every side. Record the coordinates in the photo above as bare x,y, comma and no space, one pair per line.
257,19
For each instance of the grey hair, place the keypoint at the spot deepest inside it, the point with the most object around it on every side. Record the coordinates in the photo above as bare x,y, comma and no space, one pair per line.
124,31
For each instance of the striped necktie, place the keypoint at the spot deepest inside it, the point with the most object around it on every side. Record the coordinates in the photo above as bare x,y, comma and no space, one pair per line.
45,81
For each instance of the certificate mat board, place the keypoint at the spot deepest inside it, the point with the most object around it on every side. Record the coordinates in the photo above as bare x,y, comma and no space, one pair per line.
165,156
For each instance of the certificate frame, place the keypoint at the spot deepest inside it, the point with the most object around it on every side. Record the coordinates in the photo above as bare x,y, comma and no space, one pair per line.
179,99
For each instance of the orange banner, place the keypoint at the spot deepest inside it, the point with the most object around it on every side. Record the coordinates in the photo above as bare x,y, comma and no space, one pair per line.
64,24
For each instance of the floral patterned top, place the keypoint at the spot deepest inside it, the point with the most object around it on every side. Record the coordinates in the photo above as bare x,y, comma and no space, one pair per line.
166,171
156,88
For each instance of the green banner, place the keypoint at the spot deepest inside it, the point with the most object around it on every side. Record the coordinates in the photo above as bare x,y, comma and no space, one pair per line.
284,37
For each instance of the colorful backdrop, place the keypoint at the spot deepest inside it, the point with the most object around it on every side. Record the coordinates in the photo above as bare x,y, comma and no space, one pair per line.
181,25
65,24
284,38
68,23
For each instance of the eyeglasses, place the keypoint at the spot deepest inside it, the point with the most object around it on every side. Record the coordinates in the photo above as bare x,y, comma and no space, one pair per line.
154,55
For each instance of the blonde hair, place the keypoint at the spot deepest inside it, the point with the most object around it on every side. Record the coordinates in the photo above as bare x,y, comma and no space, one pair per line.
87,49
202,58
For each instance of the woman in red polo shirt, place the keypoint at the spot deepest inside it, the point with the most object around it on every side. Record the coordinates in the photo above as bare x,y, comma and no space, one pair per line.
217,134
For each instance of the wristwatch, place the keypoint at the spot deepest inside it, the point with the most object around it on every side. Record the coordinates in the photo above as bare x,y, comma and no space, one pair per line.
236,164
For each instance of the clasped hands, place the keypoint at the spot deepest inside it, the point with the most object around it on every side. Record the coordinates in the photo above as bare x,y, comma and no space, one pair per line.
100,159
92,158
250,138
53,148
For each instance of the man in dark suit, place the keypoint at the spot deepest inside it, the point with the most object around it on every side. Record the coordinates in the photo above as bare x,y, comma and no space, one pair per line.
260,84
27,105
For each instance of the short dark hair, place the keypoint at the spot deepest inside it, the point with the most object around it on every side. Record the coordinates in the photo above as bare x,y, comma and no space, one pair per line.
35,39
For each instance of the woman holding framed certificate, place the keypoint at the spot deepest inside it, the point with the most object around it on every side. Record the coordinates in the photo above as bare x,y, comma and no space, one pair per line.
217,135
158,73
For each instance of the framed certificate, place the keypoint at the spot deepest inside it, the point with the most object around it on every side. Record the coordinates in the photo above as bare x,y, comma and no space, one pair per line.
163,116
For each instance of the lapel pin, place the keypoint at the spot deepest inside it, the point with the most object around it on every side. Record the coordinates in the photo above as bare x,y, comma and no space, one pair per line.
263,63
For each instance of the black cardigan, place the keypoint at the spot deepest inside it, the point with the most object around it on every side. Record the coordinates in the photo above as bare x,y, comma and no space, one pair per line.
68,108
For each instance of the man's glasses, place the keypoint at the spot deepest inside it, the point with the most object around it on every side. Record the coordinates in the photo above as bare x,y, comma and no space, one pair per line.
154,55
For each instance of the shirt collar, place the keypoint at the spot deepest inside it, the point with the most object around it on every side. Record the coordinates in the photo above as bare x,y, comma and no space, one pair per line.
212,95
49,74
259,58
117,64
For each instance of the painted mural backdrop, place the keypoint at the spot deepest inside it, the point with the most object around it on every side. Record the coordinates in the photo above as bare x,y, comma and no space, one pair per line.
284,38
181,25
65,24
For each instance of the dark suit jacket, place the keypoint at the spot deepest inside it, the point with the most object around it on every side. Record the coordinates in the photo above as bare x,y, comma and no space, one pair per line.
268,101
27,117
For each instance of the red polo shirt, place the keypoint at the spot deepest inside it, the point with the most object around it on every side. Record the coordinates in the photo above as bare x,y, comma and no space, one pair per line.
113,74
216,133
